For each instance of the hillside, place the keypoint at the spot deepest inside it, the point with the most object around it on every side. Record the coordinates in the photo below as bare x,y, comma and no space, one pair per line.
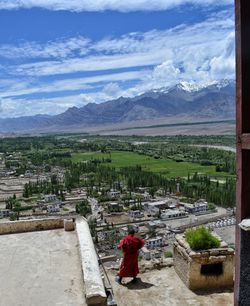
212,102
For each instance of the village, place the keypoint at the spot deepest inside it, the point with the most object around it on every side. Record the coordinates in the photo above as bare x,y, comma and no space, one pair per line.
156,218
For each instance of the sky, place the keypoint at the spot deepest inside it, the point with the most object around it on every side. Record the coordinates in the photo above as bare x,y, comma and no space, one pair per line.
56,54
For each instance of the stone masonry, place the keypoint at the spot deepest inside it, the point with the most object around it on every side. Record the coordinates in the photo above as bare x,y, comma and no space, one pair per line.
209,270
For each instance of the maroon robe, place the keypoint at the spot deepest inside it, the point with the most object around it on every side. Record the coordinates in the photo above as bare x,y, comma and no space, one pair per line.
130,246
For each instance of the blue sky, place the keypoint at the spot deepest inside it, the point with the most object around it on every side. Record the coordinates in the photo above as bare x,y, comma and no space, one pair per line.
55,54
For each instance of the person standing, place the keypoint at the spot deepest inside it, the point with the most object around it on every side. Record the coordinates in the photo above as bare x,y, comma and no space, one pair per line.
130,245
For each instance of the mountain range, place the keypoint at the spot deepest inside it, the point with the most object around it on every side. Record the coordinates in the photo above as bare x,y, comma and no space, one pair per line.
212,101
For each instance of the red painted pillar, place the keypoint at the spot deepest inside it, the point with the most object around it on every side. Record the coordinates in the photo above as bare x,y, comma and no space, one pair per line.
242,263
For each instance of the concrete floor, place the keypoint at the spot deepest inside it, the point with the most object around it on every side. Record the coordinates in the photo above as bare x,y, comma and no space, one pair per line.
227,233
41,269
163,288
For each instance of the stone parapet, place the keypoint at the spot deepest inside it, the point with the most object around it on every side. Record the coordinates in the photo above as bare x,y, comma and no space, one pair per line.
94,287
69,225
21,226
210,270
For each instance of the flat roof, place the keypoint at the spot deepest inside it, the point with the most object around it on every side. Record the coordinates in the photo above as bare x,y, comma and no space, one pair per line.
163,288
41,268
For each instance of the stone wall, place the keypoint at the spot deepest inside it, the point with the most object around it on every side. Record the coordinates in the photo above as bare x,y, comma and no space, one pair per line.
94,288
190,264
21,226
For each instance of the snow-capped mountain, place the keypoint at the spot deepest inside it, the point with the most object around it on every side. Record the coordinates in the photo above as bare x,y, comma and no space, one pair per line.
213,100
193,86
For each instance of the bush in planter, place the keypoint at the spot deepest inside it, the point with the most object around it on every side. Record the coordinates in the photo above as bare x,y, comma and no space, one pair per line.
201,239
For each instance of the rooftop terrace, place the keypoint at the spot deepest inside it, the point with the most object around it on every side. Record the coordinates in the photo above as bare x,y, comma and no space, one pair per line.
164,288
41,268
44,267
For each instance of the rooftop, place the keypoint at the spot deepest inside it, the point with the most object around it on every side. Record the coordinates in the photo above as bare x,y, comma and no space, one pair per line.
164,288
45,268
41,268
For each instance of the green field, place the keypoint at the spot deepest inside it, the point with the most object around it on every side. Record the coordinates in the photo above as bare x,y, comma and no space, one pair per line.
167,167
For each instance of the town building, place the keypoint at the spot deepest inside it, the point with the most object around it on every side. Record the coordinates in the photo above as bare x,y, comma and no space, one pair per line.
156,224
154,242
134,214
200,206
169,214
50,203
153,208
50,198
53,208
115,206
103,235
113,194
5,213
150,254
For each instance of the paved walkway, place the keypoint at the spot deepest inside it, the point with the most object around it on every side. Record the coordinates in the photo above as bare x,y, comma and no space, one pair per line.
164,288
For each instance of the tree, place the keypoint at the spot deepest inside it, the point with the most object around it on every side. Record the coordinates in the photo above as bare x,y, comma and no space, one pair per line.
53,179
26,191
62,197
92,226
17,209
10,203
83,208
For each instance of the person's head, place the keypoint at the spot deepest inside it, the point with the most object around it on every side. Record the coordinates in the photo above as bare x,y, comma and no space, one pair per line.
131,231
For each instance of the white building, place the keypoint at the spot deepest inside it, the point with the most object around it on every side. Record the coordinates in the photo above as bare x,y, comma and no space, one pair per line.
115,206
150,254
153,208
145,253
108,233
113,194
154,242
5,213
156,224
50,198
146,196
136,214
53,208
200,206
169,214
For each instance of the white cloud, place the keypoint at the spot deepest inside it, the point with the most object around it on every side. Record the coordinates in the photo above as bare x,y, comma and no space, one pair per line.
164,74
55,49
19,88
203,40
112,90
28,107
200,52
223,65
91,63
101,5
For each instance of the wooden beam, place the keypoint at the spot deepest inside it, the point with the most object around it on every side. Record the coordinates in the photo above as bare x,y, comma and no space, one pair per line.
245,141
242,262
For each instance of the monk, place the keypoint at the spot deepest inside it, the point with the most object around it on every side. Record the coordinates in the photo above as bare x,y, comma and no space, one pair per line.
130,246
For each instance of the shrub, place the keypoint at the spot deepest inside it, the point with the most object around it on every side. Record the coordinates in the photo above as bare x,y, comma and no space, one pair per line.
201,239
211,206
168,254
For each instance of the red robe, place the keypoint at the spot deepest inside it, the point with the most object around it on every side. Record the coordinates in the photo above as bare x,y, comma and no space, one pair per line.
130,246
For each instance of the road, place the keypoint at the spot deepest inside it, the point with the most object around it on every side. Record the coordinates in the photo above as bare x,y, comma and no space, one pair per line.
224,148
96,209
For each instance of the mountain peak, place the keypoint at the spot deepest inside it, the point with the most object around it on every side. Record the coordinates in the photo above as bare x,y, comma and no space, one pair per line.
189,86
192,86
208,99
